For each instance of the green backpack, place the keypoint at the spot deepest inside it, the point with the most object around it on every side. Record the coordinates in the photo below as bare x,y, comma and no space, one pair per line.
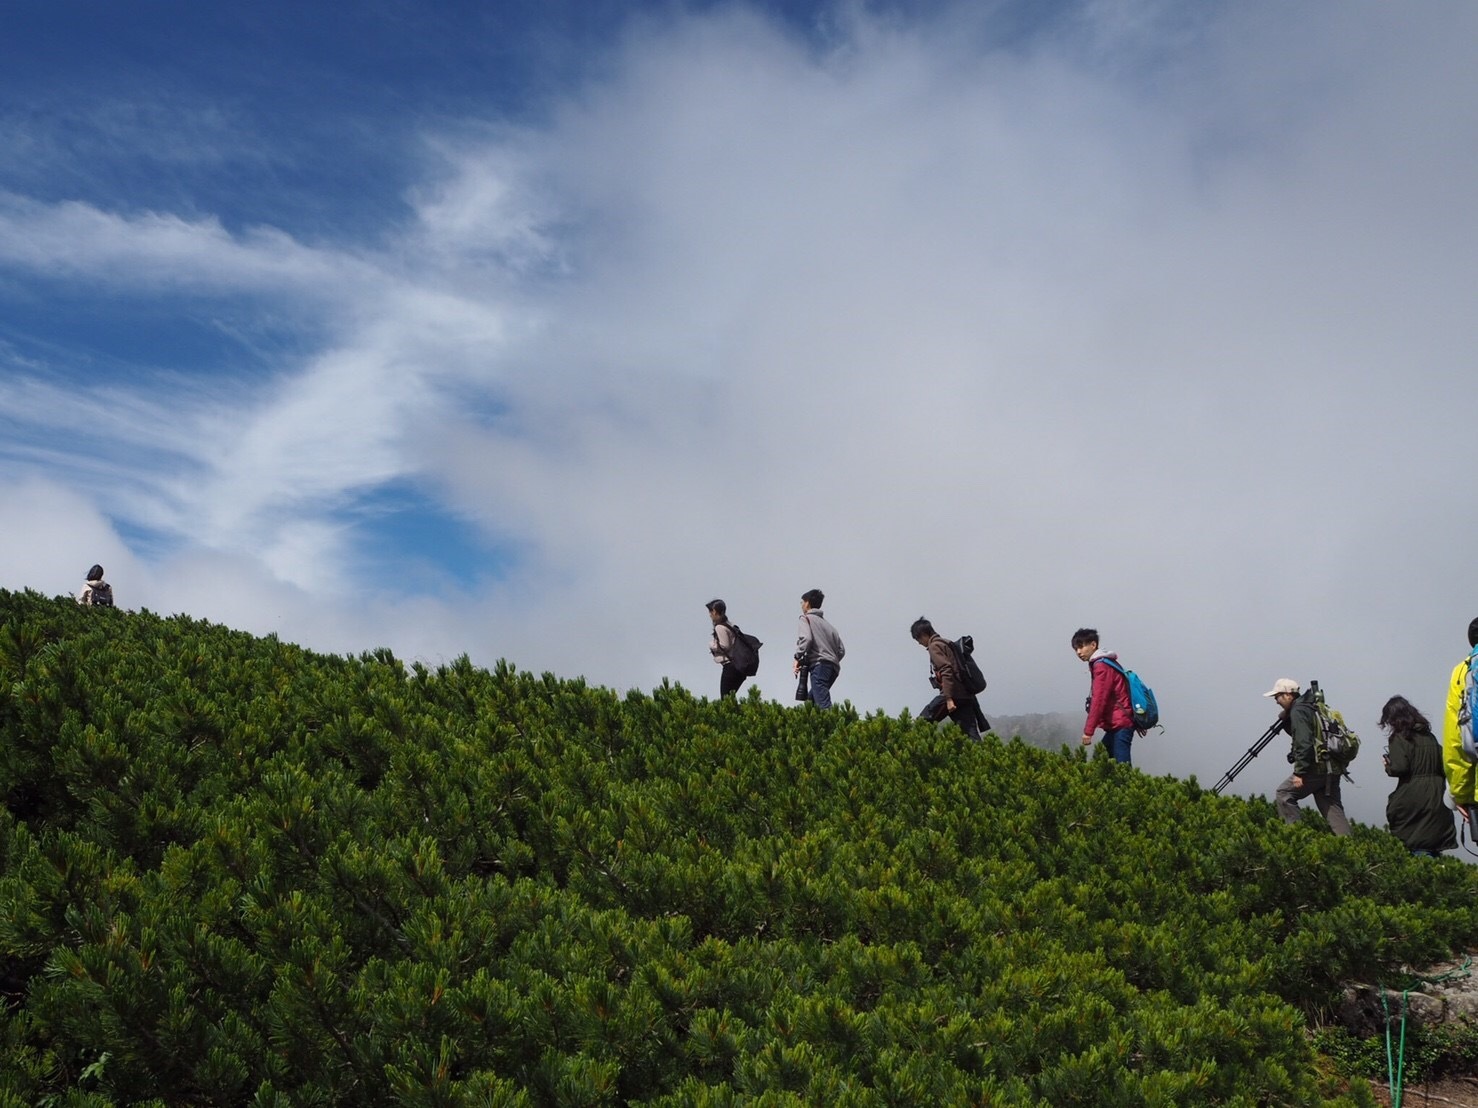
1334,742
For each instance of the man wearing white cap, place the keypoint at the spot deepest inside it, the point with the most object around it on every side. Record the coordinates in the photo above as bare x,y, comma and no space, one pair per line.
1309,778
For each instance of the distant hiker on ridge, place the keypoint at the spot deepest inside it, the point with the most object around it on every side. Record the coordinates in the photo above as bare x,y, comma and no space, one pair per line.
97,593
1459,751
1415,812
1312,775
731,648
1108,703
818,652
946,673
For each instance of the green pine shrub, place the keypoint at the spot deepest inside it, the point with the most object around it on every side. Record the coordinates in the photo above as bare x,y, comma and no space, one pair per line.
235,872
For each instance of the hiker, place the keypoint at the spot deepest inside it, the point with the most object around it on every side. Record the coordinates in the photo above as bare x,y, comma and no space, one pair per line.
724,636
1414,811
1310,777
945,674
1462,771
97,593
818,652
1108,704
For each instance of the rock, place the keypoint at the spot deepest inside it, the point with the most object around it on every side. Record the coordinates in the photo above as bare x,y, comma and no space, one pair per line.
1446,993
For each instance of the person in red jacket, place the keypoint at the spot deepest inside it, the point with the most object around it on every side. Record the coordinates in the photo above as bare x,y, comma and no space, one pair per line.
1108,705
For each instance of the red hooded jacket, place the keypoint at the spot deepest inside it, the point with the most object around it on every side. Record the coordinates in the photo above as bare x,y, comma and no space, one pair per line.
1108,705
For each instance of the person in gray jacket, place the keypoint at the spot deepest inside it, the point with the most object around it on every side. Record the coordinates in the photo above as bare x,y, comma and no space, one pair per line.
818,649
723,641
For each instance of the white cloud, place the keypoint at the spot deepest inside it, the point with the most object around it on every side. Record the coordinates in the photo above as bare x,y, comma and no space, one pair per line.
73,239
1168,341
51,535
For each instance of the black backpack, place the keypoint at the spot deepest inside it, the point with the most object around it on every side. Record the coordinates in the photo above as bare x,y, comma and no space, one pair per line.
970,673
100,594
744,652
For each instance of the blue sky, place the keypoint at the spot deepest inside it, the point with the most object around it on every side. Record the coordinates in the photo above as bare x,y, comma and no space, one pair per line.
523,329
302,116
308,122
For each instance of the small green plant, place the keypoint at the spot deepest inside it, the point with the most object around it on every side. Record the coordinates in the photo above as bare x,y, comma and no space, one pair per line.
1350,1055
94,1071
1429,1051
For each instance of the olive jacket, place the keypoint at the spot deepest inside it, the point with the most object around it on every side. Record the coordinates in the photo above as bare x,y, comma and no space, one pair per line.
1303,726
1415,812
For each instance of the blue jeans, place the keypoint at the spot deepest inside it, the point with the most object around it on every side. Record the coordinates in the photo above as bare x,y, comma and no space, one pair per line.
823,674
1117,743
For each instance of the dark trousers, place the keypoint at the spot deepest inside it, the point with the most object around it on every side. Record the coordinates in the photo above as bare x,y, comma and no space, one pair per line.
1324,788
967,717
729,680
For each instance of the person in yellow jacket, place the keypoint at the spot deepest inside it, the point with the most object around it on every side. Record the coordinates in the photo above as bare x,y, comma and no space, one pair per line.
1462,772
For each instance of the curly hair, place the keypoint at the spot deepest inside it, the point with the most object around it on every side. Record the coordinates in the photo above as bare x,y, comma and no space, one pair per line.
1400,717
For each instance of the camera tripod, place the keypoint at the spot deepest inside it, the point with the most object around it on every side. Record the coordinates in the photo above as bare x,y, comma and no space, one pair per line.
1246,760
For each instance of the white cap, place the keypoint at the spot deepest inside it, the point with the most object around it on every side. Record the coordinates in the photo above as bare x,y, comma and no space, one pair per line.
1284,685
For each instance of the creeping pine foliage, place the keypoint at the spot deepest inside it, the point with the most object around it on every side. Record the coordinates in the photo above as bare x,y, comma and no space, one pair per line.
235,872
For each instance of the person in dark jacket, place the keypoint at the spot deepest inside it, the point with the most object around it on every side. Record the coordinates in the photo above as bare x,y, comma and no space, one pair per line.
1310,777
1415,812
1108,702
944,674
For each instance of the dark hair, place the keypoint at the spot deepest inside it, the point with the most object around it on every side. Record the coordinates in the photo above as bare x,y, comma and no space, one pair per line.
1400,717
95,573
814,597
717,606
1473,633
1083,636
921,626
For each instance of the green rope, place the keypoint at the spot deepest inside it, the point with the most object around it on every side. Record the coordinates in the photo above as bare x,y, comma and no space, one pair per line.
1396,1060
1464,970
1395,1067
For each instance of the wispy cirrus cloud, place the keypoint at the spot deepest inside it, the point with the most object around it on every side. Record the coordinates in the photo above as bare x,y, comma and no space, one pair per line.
250,459
158,251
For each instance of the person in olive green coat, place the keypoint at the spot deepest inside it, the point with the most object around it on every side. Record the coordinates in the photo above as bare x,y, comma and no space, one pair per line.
1415,812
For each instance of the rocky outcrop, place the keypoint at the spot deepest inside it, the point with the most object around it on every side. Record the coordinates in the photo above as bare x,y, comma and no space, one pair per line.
1445,993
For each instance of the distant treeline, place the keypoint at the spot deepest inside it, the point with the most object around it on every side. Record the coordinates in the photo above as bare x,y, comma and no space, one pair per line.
235,872
1047,730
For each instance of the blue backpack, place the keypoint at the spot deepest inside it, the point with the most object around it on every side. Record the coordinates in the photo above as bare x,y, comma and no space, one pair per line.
1141,699
1468,707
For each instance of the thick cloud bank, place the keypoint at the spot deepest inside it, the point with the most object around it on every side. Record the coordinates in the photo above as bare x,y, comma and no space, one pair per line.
1154,324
